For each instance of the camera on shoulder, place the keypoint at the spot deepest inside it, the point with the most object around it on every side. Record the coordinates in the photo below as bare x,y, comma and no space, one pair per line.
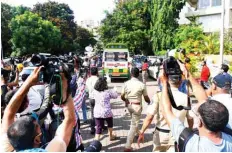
52,67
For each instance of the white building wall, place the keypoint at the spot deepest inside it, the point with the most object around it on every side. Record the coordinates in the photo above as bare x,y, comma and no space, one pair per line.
210,16
211,22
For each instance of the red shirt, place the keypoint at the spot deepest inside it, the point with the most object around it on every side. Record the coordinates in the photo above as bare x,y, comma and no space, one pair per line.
145,66
205,73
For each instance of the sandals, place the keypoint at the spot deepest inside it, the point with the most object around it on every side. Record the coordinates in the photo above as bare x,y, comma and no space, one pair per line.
114,137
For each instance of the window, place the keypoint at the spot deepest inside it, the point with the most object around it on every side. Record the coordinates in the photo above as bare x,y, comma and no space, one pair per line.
216,2
116,56
203,3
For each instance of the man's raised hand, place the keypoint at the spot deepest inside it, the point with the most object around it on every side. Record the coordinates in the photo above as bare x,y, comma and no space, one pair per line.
34,77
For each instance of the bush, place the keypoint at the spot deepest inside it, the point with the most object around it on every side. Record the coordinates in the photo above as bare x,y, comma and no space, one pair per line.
159,53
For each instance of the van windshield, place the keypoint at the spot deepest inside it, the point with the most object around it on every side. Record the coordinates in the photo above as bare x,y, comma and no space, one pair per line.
116,56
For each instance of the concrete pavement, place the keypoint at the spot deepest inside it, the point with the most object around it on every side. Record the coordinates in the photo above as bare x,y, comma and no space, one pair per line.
121,124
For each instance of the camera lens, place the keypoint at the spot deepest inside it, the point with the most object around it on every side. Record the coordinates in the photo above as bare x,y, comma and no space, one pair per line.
38,60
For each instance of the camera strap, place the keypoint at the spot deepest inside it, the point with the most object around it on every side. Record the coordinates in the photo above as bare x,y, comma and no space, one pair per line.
173,103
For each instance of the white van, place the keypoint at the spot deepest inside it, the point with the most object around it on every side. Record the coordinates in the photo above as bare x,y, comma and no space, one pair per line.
116,61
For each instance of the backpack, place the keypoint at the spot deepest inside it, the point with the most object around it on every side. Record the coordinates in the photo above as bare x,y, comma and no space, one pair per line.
187,134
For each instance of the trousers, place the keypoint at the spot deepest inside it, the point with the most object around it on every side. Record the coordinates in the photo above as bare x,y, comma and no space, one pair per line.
100,124
92,123
135,111
84,111
144,76
162,142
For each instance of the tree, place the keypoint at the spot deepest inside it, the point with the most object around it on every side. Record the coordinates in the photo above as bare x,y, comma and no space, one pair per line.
129,23
6,16
164,15
61,16
32,34
18,10
84,38
190,37
9,12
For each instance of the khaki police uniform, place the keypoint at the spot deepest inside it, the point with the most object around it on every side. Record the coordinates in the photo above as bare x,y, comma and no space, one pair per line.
162,138
133,91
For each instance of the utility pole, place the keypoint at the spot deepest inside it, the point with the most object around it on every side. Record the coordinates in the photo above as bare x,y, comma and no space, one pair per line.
222,32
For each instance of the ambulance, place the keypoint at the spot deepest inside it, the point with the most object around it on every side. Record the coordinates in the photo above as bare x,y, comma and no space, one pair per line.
116,61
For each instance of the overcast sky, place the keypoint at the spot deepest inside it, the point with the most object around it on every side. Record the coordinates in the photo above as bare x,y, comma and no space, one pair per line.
83,9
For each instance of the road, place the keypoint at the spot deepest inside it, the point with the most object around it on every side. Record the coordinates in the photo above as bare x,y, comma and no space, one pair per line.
121,123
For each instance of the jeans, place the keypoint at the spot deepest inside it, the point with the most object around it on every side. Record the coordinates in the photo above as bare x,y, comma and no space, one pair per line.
92,124
84,111
135,111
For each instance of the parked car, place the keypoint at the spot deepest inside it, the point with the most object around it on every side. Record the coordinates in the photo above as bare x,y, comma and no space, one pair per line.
153,71
152,59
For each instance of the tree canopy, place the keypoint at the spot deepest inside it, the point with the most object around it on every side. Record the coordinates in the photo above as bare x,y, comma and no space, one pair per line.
164,15
32,34
143,25
84,37
61,16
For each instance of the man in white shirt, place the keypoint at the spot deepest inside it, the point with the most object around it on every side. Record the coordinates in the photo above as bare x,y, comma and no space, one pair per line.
220,91
162,138
35,97
90,83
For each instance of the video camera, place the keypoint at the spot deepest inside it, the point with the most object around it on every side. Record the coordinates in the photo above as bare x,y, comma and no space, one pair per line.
51,74
171,66
172,70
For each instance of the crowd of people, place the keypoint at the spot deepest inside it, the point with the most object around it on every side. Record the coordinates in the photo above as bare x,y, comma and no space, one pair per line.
52,125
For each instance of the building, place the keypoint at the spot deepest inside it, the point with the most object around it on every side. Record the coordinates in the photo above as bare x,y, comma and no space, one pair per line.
89,24
208,13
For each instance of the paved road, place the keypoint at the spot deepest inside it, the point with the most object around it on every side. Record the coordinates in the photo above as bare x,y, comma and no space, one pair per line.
121,124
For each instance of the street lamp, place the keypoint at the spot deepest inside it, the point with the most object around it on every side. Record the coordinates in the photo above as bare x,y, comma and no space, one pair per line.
222,32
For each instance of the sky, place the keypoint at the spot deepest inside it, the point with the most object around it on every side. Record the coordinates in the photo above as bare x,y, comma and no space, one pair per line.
83,9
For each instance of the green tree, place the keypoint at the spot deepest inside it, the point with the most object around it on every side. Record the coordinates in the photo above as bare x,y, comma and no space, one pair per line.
84,38
228,42
9,12
32,34
190,37
6,16
164,15
61,16
18,10
129,23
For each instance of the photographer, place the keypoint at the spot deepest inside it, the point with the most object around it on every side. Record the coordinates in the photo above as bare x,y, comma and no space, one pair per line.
162,139
25,133
212,119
